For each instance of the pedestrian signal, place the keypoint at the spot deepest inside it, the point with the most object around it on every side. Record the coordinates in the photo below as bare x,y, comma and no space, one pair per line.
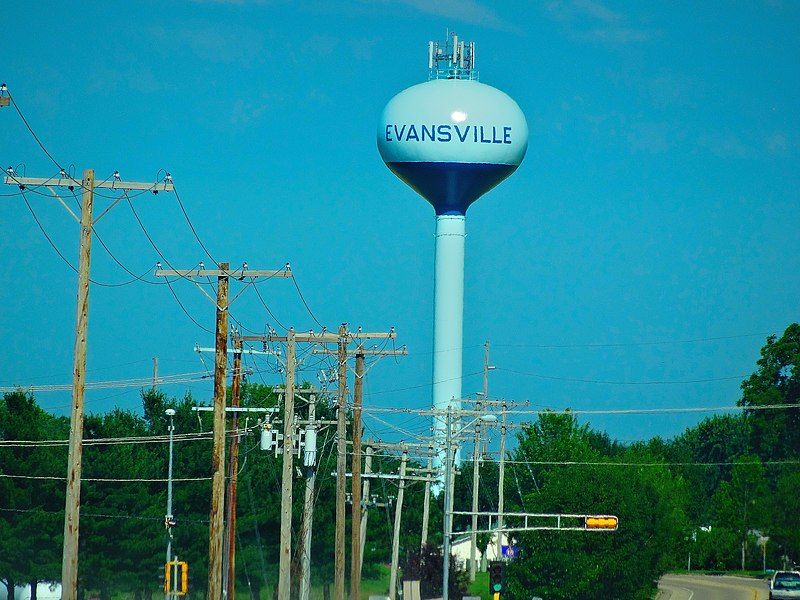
601,522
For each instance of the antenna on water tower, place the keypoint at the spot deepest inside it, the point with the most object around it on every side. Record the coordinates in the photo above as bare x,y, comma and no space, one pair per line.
453,60
451,139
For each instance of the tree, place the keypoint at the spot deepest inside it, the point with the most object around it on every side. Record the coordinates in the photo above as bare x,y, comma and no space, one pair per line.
717,442
739,505
784,508
577,479
31,508
775,432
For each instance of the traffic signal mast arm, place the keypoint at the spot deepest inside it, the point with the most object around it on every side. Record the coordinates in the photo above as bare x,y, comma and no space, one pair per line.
549,521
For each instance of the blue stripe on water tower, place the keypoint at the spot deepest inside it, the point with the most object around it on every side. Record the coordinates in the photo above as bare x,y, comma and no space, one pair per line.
449,186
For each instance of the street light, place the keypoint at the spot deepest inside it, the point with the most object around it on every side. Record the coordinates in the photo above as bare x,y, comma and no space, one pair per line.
168,519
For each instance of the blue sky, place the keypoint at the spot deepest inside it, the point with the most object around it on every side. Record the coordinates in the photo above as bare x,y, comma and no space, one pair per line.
638,258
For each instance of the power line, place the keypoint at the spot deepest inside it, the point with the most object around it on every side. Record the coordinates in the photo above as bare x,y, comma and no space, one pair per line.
100,480
632,411
308,308
634,344
610,382
31,131
191,226
73,267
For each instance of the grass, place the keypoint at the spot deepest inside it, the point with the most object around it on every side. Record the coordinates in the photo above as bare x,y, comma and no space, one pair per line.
480,587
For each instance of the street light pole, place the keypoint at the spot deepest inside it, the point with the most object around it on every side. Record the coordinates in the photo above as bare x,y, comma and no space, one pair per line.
168,519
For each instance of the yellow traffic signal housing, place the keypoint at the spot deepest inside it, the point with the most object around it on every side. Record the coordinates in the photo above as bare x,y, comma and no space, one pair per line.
608,522
181,569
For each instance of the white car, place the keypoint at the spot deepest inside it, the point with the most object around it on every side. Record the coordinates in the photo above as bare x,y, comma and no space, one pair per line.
784,585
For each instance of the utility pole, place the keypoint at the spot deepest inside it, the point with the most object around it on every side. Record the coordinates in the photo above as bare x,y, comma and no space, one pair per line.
448,473
341,463
426,506
355,522
285,567
365,504
233,468
501,476
155,372
216,525
402,477
218,456
69,566
398,511
475,473
308,504
479,426
342,339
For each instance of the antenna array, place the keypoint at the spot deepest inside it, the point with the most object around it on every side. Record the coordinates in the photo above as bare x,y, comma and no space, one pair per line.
453,60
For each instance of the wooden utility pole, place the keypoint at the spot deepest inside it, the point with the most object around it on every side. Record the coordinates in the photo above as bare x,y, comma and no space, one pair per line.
475,473
355,521
308,506
402,477
501,477
69,565
448,473
233,468
344,337
398,512
426,506
341,464
215,517
216,514
285,566
479,427
365,504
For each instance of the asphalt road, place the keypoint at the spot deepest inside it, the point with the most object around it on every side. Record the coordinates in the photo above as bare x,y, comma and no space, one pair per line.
711,587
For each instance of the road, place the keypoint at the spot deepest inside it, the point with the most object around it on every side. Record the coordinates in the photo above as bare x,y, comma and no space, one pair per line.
711,587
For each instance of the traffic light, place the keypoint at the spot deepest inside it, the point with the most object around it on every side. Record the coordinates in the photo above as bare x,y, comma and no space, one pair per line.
181,570
496,576
608,522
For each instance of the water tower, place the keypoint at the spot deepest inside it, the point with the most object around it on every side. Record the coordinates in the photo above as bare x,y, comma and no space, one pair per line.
451,139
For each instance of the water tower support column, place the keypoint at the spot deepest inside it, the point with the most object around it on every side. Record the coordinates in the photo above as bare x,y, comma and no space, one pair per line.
448,294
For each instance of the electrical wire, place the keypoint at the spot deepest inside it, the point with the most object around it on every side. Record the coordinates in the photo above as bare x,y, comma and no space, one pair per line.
632,411
634,344
113,384
609,382
183,308
308,308
191,226
611,463
70,265
103,480
271,314
31,131
425,385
